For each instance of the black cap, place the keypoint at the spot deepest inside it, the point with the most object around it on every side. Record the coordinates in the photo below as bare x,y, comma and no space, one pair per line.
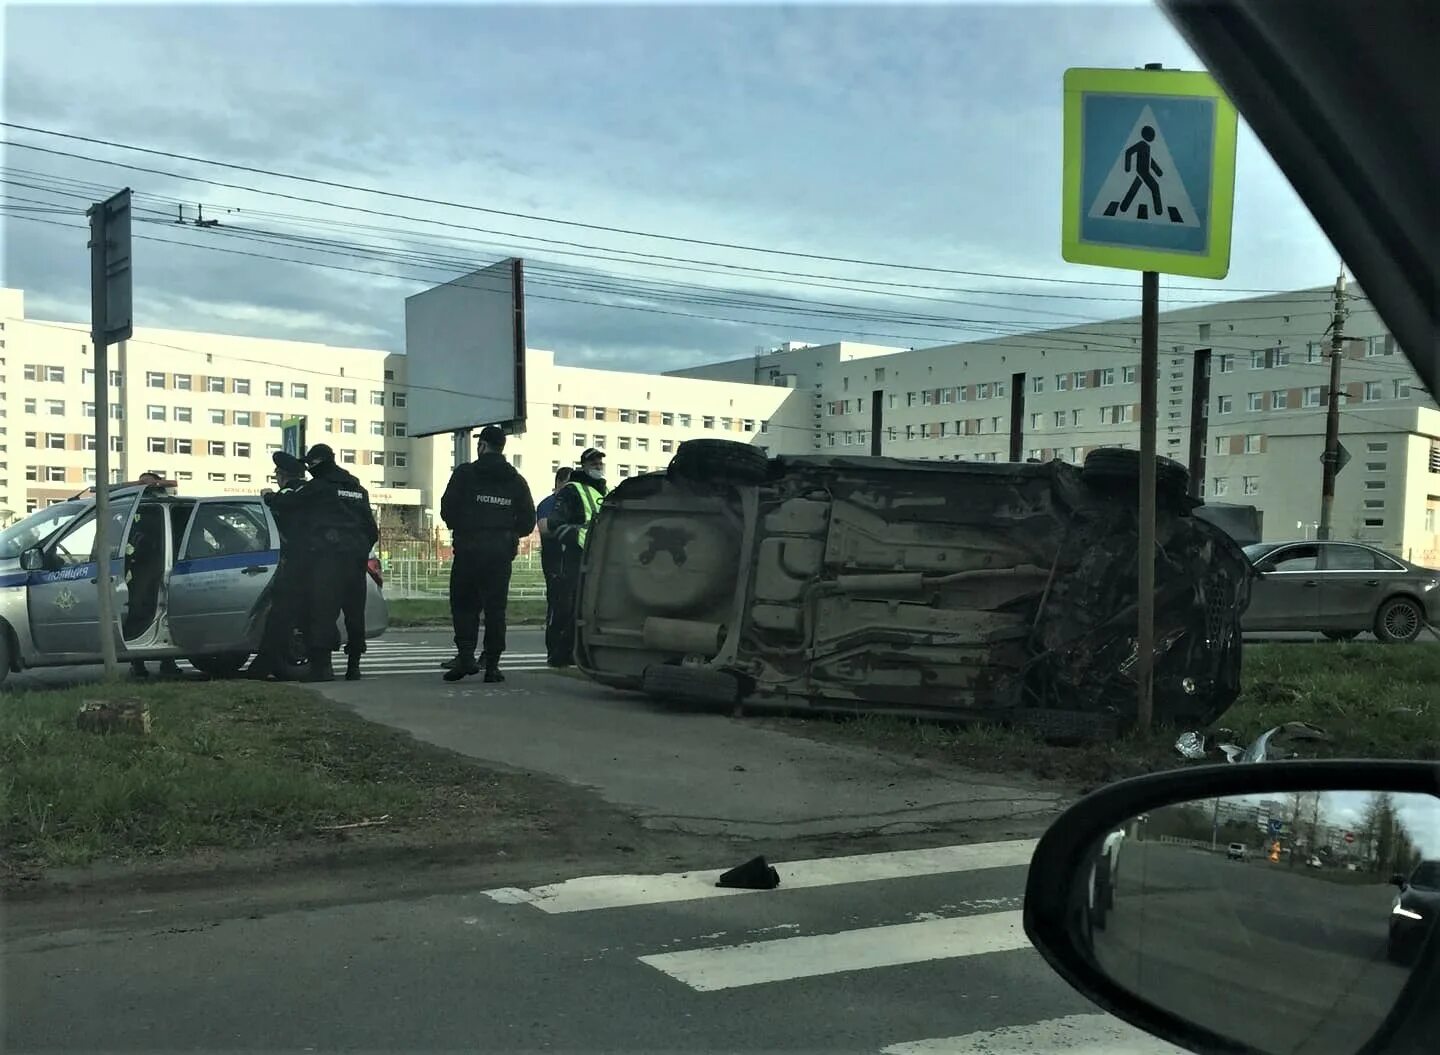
592,454
288,463
493,436
319,455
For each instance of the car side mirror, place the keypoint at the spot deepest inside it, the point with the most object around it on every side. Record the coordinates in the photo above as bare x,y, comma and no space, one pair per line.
1264,568
1397,880
33,559
1157,927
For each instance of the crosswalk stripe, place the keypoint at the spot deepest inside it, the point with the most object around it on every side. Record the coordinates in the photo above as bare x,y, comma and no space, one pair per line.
761,962
623,891
1073,1035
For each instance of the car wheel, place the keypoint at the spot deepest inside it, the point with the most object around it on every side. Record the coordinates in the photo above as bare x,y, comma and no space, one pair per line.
1342,635
1118,465
695,685
219,664
1399,621
719,461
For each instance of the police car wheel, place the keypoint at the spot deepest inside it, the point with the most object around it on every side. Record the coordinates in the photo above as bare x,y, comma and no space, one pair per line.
1120,465
719,461
692,685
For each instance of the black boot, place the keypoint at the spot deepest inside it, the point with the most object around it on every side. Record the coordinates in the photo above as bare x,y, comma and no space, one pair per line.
463,666
320,667
492,670
352,667
261,668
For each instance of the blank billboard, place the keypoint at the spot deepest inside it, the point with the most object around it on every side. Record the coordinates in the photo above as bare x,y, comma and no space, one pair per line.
465,352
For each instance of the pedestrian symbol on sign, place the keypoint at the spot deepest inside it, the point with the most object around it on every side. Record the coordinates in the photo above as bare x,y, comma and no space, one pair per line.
1145,165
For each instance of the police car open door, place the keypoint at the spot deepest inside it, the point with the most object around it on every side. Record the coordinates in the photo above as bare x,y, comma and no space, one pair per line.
62,597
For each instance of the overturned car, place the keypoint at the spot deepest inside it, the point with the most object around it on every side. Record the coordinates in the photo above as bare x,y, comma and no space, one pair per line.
966,589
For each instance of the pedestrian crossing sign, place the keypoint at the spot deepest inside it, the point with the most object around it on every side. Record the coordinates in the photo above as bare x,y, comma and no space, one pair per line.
1149,171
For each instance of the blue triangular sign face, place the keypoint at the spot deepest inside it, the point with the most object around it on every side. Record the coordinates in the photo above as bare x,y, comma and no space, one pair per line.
1143,184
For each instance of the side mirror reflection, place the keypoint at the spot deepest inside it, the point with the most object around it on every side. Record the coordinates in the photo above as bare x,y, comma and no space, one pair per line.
32,559
1266,919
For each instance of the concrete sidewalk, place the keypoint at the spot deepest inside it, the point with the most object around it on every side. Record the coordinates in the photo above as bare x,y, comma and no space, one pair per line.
694,773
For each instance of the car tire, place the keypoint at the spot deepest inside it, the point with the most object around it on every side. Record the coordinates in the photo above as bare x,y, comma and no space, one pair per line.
1341,635
219,664
719,461
1399,621
692,685
1119,465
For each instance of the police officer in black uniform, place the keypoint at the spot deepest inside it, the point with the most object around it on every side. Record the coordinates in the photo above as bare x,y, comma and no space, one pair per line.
340,531
289,588
569,522
488,508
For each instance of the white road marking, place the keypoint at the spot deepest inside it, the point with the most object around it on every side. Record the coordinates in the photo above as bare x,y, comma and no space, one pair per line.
589,893
761,962
1073,1035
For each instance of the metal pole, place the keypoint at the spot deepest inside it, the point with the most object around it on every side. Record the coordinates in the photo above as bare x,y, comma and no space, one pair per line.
1017,417
1145,600
877,419
98,312
1199,420
1332,414
122,392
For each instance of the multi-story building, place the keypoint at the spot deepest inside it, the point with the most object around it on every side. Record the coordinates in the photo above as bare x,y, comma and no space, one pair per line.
1077,388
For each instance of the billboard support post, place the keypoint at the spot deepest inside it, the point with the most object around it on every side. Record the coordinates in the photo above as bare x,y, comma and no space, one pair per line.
111,320
460,448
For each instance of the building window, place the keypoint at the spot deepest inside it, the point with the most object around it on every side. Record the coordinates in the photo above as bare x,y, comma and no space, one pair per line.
1220,486
1128,375
667,417
377,428
1035,422
1373,392
1059,419
1224,404
581,414
1314,352
215,478
184,383
400,429
1375,467
1227,364
626,417
707,422
1280,399
1378,346
55,474
183,414
154,379
153,412
155,444
217,417
947,395
389,375
1257,360
1254,443
242,417
1082,379
299,390
1254,401
32,439
667,446
87,442
728,424
684,421
1107,377
216,448
1252,485
347,395
1374,485
275,389
55,373
377,397
599,413
1377,447
214,384
242,450
623,443
117,412
399,459
1062,382
1000,389
183,446
1376,503
1037,383
1374,522
55,441
347,426
642,417
31,372
1311,397
1402,389
242,386
30,405
347,457
55,408
579,439
556,410
375,457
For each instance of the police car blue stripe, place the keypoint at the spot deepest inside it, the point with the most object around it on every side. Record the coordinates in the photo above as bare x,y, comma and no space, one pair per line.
266,558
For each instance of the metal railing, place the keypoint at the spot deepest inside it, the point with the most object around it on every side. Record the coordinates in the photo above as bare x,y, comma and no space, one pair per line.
413,578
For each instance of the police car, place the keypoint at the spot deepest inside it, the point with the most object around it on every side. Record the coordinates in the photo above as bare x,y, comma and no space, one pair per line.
190,577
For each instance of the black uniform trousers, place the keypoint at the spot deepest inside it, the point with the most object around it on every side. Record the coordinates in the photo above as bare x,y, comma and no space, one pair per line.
480,585
289,596
334,574
562,613
352,607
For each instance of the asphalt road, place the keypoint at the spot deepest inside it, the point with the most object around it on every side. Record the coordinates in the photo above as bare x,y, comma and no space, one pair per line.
899,953
1277,957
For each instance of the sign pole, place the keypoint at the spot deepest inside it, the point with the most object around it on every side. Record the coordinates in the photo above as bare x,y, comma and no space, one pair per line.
1145,598
110,320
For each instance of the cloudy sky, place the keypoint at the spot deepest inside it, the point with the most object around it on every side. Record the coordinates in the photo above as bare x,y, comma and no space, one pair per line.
922,135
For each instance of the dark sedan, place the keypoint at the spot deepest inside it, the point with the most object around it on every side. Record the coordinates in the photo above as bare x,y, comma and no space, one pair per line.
1412,917
1340,589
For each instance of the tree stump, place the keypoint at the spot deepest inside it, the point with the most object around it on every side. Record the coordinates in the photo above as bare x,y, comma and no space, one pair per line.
114,716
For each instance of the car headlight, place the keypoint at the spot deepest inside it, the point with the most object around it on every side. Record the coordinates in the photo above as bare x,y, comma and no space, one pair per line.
1401,910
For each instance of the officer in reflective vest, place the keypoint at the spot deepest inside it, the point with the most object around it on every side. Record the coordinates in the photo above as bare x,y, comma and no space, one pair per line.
575,507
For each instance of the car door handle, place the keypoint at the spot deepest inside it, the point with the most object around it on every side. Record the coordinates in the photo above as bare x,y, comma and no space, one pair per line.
1310,583
1372,582
254,569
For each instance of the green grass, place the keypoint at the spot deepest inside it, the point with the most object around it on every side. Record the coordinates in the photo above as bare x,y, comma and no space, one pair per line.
1374,701
228,764
435,611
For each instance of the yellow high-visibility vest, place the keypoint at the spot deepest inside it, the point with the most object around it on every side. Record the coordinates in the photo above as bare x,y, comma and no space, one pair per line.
590,500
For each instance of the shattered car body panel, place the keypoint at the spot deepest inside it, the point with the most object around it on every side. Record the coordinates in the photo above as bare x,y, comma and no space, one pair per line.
994,590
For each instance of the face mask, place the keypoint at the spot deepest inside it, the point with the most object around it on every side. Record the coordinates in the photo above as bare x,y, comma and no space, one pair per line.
595,474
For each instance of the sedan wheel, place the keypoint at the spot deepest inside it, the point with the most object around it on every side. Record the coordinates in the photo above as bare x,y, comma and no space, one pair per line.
1399,621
